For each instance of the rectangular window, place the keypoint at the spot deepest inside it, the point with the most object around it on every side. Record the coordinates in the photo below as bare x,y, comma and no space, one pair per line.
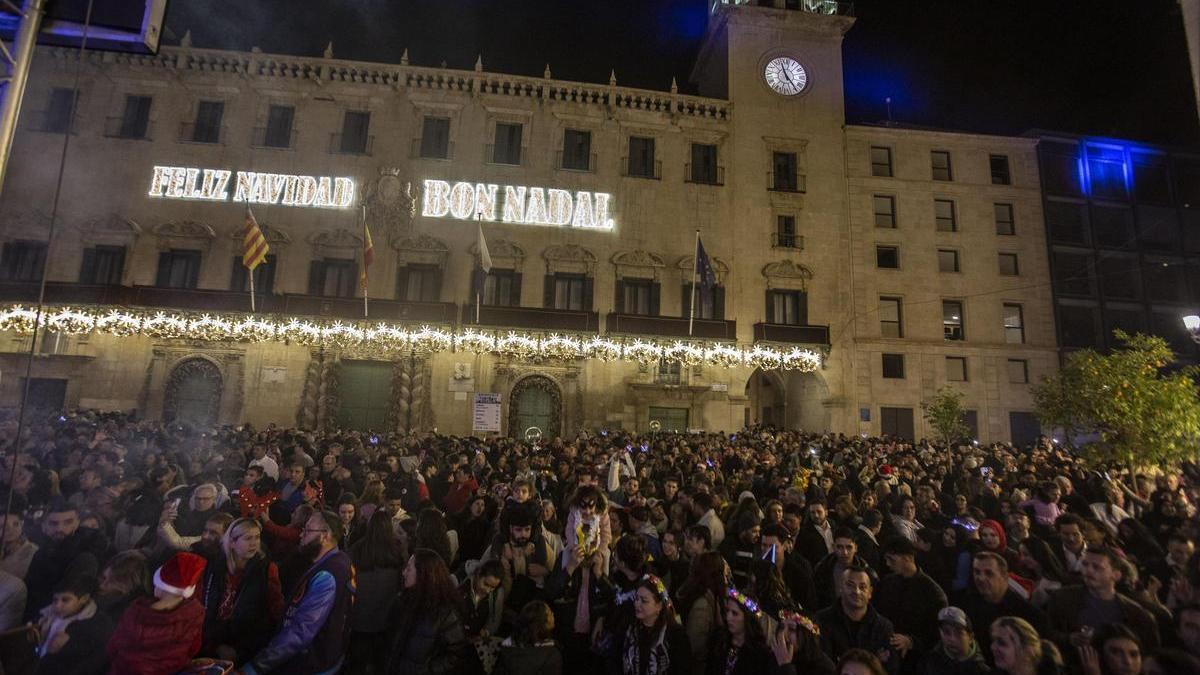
333,277
785,232
711,301
502,288
881,161
887,257
1008,265
1018,371
102,265
1000,171
1164,280
264,277
22,261
893,366
569,291
1014,324
896,422
1062,170
641,162
1150,181
787,307
669,372
947,260
278,132
1005,222
637,297
207,128
784,177
943,212
885,211
435,138
703,168
355,139
952,320
1119,277
419,283
178,268
507,147
940,161
577,150
59,111
891,317
956,369
1072,273
1106,173
135,120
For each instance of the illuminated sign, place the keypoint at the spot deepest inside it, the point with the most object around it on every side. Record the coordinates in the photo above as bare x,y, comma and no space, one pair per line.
517,204
251,187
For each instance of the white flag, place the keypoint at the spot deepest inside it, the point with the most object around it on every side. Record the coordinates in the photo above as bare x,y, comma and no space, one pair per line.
485,258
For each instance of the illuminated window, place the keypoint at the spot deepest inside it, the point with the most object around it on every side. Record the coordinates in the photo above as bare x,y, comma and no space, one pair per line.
1014,324
638,296
952,320
333,277
787,307
568,291
419,283
502,288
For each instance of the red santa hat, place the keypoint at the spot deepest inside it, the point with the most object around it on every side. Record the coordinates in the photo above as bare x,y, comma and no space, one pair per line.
180,574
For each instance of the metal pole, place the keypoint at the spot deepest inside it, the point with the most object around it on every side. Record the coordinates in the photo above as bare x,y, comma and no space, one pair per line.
14,93
695,264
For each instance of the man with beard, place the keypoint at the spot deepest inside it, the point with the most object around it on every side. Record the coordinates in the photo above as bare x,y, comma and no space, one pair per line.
815,540
852,623
69,551
526,562
740,550
312,639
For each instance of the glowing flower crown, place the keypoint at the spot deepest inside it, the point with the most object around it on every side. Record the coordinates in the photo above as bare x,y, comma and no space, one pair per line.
746,603
788,616
659,587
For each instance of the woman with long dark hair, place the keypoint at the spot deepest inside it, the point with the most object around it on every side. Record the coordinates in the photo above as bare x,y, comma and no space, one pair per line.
473,525
432,534
700,603
741,648
655,643
241,594
377,558
426,626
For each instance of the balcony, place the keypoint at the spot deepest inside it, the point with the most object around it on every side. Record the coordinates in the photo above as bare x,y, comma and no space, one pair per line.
779,332
574,161
637,169
787,183
350,144
670,326
787,240
203,300
278,139
536,318
704,175
419,151
129,129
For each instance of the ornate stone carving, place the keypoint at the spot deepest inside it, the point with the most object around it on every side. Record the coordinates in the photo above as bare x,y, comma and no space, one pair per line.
787,274
514,409
275,237
502,251
111,228
25,225
421,249
685,264
391,203
185,229
319,398
339,238
569,259
195,367
638,258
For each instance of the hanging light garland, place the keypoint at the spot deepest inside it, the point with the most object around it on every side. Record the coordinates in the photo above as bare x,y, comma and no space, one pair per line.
388,339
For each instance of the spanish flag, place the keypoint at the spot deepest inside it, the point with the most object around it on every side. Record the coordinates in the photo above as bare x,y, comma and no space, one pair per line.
254,244
368,252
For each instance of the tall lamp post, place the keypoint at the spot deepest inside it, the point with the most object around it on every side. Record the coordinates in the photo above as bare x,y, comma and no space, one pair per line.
1192,323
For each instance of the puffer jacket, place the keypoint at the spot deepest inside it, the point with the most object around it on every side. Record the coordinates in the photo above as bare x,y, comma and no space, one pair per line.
151,642
430,644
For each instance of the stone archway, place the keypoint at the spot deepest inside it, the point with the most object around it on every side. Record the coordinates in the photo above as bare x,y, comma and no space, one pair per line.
193,393
535,401
767,398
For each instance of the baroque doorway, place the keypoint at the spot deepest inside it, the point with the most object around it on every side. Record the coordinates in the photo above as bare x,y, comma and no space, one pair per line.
193,394
535,401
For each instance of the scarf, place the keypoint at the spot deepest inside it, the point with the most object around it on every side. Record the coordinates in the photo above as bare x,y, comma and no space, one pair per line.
53,625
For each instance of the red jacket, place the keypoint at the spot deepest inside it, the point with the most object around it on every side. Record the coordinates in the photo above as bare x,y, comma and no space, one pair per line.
152,642
459,496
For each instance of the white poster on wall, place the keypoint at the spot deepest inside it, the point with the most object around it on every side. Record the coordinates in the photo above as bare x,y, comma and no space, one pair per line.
486,415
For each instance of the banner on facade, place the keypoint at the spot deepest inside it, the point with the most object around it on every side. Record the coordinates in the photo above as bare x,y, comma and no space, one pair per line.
486,415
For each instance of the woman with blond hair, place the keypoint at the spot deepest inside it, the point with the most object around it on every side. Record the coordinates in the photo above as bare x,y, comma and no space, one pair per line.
1018,649
241,595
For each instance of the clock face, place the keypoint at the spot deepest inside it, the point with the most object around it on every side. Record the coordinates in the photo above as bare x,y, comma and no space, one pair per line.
785,75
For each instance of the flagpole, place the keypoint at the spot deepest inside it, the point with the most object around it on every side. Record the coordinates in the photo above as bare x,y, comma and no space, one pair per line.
366,308
695,264
251,273
479,286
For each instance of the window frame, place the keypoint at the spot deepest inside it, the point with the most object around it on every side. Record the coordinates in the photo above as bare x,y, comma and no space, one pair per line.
1006,171
1024,365
890,214
890,361
23,260
1016,263
934,155
895,249
432,145
958,361
939,219
192,260
898,322
1012,218
1019,327
875,165
956,260
509,158
949,325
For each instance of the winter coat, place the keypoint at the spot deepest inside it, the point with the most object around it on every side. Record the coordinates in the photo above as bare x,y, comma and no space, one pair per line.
912,605
257,607
77,555
429,644
874,633
153,642
938,662
667,654
84,653
540,659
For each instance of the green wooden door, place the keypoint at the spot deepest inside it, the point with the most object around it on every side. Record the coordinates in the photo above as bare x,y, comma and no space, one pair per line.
671,419
535,408
366,394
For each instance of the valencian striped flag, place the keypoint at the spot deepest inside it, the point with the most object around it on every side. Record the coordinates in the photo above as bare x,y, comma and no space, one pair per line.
254,250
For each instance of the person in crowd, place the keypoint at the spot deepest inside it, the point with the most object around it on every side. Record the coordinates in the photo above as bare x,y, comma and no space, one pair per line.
815,539
1071,545
860,662
700,599
378,558
851,622
991,597
741,647
241,595
161,634
654,643
13,596
313,637
956,651
532,649
866,537
828,572
483,600
18,550
1018,649
1076,612
777,547
1170,662
704,509
69,551
425,625
125,578
1187,625
910,599
672,566
72,631
1113,650
460,494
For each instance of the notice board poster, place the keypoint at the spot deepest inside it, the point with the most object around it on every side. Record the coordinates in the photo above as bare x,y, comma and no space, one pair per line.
486,415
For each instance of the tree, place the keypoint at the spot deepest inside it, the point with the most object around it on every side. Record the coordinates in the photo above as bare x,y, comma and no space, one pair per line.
945,413
1138,412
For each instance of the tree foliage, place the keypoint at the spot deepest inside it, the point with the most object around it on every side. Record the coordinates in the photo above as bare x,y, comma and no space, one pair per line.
1132,408
945,413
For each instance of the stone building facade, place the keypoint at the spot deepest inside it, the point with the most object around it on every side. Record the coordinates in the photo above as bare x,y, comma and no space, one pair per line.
779,189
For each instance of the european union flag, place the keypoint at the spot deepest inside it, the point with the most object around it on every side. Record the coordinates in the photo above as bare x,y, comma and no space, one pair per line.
704,269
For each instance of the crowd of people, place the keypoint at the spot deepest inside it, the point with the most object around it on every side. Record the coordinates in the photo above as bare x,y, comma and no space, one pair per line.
137,547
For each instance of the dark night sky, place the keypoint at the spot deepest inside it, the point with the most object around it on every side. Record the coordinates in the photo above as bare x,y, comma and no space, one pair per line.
1105,67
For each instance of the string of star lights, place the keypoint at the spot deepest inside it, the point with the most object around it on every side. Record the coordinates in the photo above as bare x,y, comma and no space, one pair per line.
385,339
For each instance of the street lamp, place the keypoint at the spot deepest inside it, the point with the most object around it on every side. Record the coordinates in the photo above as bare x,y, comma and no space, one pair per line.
1192,323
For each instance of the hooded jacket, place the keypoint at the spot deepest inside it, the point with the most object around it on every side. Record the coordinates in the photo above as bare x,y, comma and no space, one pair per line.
150,642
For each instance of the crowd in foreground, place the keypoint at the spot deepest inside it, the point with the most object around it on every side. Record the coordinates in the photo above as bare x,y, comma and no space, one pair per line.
136,547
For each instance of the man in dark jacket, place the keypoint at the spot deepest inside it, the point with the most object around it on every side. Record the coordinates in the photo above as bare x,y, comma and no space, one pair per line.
1097,603
314,634
815,540
866,538
910,599
956,653
851,622
70,551
828,571
991,598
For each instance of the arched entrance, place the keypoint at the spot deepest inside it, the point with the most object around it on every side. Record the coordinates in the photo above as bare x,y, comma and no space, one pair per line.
768,399
193,394
791,399
535,401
